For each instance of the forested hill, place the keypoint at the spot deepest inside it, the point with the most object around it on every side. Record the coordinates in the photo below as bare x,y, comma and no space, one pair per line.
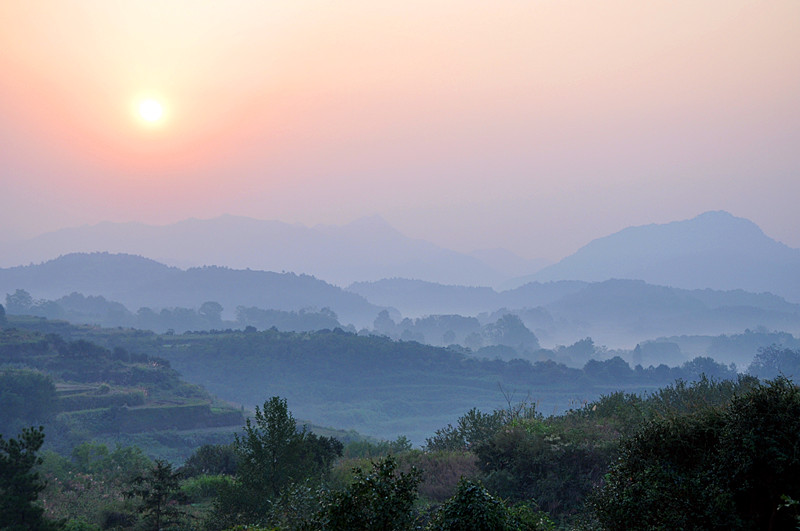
370,383
138,282
80,390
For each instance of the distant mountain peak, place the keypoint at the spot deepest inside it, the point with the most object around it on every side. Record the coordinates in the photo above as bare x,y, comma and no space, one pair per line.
366,249
712,250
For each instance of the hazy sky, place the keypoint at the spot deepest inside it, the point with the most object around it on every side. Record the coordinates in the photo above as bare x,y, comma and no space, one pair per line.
532,125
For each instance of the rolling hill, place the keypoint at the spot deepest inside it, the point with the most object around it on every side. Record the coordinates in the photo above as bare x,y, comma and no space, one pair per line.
138,282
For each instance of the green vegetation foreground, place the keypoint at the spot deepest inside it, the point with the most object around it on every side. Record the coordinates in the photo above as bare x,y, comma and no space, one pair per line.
706,455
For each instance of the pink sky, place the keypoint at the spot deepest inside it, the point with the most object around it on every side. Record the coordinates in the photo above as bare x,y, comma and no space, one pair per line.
535,126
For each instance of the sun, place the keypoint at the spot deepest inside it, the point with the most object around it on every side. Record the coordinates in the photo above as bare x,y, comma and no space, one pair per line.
150,110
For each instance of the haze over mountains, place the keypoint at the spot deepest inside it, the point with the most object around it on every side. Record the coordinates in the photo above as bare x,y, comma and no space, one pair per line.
712,274
617,313
713,250
366,249
139,282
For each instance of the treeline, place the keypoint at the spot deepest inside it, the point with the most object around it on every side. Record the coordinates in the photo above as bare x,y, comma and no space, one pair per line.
503,334
78,308
702,455
379,386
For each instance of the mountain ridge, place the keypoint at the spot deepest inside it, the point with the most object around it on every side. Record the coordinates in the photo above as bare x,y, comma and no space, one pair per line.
139,282
365,249
713,250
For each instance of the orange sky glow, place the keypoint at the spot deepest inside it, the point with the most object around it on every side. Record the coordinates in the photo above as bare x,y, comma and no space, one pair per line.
533,126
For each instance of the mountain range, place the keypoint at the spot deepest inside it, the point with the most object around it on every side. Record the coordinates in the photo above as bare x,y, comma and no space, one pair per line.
618,313
366,249
139,282
713,250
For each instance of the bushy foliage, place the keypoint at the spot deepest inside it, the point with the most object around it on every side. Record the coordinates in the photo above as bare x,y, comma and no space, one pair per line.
204,487
90,487
690,397
661,479
441,472
473,508
553,465
380,500
211,459
760,451
727,466
472,428
122,464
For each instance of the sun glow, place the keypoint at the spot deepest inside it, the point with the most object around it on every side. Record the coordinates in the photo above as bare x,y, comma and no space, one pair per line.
150,110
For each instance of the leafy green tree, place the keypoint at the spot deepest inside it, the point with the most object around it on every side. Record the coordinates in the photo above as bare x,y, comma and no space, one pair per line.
553,465
760,453
157,490
379,500
472,428
272,454
20,484
270,451
473,508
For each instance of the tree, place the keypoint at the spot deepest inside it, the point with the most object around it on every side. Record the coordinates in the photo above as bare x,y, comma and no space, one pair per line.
20,484
2,315
380,500
272,454
731,466
509,330
157,490
211,312
473,508
664,478
773,361
760,453
19,303
472,429
270,450
211,459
